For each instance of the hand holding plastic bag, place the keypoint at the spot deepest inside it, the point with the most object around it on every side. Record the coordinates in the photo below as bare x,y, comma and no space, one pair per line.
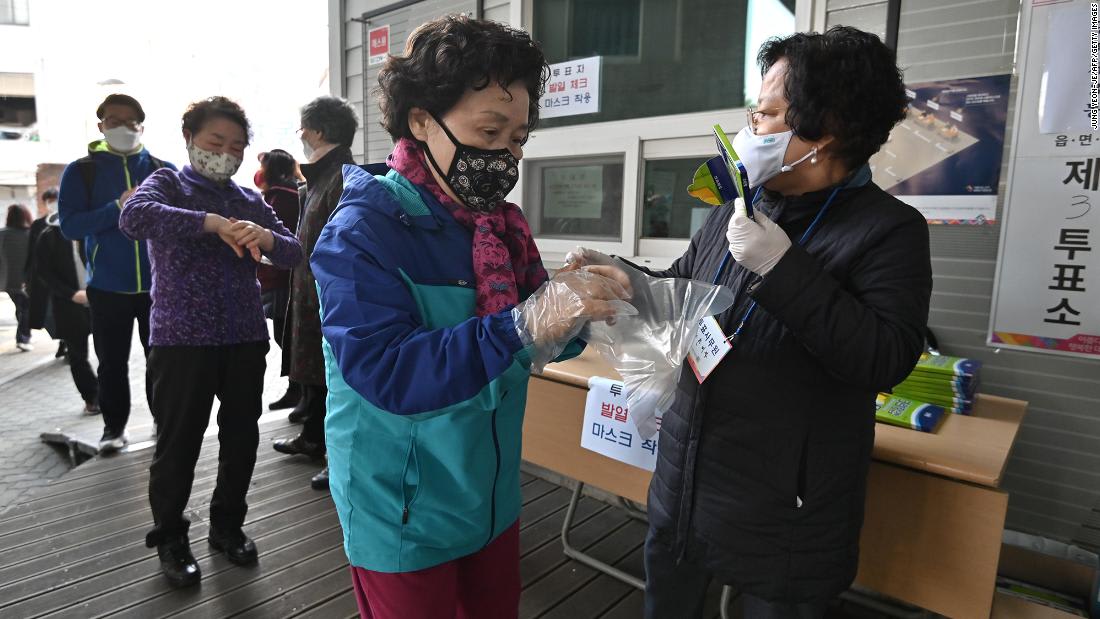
554,315
649,347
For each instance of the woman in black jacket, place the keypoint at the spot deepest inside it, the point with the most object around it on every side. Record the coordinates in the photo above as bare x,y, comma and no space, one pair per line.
762,471
58,265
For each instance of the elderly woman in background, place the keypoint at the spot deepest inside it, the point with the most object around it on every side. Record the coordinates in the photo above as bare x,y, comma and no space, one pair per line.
14,241
277,179
328,128
208,335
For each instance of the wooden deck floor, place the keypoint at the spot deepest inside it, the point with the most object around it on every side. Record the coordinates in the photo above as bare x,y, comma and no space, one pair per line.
77,549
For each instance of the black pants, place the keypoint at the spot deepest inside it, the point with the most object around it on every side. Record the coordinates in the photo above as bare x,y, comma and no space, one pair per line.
184,381
677,591
275,304
83,376
113,316
22,315
314,427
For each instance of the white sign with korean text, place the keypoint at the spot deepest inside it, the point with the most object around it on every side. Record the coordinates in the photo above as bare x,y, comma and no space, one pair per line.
573,192
609,429
1046,296
573,88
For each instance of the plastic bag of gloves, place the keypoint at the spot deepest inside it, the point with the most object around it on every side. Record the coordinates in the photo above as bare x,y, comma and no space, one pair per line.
648,349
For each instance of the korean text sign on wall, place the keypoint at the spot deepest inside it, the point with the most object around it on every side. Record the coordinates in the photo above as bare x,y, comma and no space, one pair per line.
379,44
1047,293
573,88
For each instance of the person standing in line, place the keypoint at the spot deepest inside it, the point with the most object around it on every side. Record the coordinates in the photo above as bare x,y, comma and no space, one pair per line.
39,310
208,336
277,180
59,268
14,238
93,191
328,128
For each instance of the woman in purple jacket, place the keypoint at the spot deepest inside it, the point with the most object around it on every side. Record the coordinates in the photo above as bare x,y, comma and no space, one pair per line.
207,335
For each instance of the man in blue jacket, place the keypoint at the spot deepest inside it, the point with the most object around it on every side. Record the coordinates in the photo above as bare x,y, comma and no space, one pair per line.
93,190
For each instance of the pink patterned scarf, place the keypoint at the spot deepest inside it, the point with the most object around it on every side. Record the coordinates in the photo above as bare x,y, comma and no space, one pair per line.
507,265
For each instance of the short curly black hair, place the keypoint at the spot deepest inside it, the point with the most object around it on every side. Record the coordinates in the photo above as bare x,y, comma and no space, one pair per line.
333,117
214,107
445,57
844,83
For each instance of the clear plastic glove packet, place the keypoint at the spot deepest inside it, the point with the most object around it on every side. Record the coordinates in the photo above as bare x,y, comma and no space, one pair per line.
648,348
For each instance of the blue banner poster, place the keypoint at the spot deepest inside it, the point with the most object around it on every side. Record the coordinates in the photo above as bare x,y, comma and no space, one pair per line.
945,157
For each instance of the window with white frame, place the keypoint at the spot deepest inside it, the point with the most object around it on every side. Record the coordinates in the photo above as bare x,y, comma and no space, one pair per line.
617,180
14,12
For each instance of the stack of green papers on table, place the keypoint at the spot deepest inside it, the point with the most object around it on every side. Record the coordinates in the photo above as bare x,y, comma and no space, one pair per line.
949,382
898,411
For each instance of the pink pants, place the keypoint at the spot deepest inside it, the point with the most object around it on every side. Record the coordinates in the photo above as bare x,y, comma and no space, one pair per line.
484,585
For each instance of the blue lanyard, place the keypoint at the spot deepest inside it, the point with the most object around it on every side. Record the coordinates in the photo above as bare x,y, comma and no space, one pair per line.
801,241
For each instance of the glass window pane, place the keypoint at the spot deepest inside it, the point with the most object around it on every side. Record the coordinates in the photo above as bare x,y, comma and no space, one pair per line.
662,57
578,198
668,212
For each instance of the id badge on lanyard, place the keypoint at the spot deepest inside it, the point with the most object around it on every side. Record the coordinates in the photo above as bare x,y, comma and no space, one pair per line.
711,344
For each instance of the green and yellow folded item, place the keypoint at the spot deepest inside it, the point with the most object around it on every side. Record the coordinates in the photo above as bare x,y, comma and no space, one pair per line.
954,405
948,386
951,366
906,413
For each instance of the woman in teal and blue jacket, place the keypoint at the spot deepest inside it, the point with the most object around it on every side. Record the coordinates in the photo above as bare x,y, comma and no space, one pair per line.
435,306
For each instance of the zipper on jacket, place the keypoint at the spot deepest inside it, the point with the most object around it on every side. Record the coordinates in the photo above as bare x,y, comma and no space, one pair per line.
137,246
496,475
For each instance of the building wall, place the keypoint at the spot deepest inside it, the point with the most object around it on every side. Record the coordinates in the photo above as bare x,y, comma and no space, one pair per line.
1053,476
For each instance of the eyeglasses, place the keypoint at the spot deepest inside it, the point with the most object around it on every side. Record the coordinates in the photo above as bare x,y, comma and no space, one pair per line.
750,115
111,123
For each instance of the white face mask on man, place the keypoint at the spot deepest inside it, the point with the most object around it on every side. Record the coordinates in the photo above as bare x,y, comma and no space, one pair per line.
122,139
763,155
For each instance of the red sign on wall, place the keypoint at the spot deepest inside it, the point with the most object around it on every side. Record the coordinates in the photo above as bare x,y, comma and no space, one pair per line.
378,43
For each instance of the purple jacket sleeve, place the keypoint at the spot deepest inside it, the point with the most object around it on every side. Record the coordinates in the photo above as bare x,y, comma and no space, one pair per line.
150,214
287,251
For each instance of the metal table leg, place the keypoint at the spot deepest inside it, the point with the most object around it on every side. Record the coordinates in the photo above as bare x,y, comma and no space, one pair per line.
596,564
586,559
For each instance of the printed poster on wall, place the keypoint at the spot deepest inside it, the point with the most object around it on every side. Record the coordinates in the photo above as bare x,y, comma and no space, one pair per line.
573,88
1047,291
573,192
944,159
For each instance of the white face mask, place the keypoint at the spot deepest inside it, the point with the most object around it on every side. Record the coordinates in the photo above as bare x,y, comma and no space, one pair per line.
307,149
218,167
763,154
122,139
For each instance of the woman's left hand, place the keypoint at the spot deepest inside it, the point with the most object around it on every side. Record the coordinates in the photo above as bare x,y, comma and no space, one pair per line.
253,237
756,244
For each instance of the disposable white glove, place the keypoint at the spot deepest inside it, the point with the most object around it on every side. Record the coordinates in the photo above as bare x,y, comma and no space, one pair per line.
582,256
554,315
758,244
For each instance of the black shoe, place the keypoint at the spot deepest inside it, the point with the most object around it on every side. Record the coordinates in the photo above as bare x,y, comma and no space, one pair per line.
237,547
290,399
62,351
299,445
177,563
300,414
320,480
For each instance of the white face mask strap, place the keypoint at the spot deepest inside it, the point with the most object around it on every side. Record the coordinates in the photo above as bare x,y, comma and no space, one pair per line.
790,166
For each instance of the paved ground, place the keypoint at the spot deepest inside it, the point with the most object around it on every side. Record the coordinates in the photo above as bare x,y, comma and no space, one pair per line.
37,395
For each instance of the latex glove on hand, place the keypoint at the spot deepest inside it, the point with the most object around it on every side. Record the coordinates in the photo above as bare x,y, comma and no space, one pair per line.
551,317
582,256
756,244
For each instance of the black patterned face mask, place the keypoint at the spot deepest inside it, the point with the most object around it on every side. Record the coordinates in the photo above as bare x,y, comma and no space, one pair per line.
480,178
